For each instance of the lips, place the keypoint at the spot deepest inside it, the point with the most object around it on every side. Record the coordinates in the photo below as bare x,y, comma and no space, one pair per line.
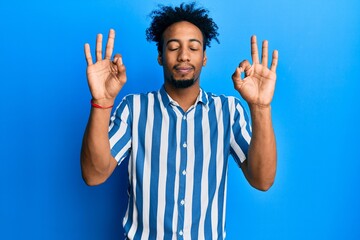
183,69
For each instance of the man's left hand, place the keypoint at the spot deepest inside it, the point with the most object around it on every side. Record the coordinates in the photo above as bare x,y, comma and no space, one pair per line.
258,85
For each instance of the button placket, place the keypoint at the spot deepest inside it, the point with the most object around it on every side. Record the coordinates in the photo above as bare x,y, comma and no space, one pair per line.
182,174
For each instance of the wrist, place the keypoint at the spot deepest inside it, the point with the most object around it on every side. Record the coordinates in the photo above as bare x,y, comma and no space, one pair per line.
102,103
259,107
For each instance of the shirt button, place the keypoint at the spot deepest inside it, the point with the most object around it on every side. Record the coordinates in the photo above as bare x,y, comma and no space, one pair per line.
181,233
184,145
182,202
184,172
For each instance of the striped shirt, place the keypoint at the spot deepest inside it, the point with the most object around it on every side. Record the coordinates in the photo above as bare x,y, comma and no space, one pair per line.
178,162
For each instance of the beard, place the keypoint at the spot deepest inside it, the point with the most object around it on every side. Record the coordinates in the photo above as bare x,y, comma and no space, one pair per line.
181,83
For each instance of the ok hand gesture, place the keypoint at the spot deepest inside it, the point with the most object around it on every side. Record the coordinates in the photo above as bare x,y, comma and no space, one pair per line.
257,88
105,77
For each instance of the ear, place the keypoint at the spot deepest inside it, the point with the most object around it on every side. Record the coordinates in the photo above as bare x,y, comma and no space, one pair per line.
204,59
160,59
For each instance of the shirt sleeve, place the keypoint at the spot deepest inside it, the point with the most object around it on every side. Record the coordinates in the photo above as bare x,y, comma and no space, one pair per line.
120,131
240,132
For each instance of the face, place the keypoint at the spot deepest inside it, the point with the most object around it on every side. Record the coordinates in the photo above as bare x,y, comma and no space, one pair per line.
183,56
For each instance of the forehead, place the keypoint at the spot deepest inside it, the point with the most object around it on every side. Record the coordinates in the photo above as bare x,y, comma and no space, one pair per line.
182,31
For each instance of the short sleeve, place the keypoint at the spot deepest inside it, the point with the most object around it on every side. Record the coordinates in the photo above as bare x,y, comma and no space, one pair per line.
240,131
120,131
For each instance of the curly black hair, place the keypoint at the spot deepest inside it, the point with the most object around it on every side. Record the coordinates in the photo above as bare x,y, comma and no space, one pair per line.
167,15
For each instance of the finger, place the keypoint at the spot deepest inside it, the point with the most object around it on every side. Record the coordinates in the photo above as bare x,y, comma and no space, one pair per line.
99,47
245,67
118,59
110,44
254,50
274,61
237,74
121,74
264,56
119,63
88,54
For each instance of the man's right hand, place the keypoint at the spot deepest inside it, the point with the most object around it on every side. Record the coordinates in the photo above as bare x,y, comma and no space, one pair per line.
105,77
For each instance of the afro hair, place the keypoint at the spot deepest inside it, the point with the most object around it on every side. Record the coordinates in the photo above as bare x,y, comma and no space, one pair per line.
165,16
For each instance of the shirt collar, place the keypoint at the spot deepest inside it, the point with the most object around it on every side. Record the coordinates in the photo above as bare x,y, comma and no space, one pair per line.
167,100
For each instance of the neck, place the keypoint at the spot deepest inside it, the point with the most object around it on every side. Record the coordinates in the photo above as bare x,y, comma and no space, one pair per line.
185,97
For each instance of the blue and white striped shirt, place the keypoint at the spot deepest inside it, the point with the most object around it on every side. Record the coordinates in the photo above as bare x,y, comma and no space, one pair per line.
178,162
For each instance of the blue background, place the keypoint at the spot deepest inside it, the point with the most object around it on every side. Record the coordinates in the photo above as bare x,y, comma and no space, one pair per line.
44,106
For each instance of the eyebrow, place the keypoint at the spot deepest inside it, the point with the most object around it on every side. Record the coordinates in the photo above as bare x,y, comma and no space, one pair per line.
190,40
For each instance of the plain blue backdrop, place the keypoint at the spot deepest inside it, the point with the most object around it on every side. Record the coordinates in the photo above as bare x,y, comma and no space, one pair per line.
44,106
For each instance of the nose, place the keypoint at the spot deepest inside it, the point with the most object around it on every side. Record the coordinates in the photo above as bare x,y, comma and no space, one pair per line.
184,55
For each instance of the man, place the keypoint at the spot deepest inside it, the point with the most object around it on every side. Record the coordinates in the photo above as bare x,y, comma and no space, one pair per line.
178,138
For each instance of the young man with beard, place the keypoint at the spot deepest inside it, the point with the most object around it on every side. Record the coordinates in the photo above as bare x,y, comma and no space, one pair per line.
178,139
